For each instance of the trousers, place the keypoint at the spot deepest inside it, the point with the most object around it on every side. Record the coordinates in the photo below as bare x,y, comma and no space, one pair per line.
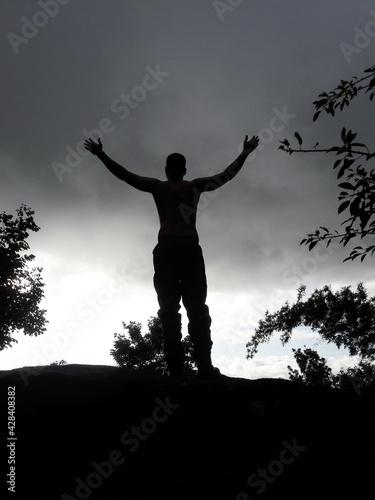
180,274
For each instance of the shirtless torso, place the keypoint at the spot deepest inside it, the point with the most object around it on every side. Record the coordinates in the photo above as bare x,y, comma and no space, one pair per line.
176,202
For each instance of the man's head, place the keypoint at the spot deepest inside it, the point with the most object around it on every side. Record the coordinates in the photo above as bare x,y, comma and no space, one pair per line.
175,168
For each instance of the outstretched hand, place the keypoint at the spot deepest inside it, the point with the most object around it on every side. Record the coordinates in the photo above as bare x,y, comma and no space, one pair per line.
94,147
250,145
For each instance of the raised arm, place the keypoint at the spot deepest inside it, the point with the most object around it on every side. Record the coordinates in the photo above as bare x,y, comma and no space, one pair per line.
218,180
147,184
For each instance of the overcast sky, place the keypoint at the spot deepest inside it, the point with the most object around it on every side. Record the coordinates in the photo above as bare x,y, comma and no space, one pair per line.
189,76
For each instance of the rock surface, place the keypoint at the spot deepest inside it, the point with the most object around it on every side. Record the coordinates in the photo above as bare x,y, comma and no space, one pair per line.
103,432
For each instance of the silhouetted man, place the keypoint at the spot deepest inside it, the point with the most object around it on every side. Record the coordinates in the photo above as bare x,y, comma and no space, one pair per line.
178,260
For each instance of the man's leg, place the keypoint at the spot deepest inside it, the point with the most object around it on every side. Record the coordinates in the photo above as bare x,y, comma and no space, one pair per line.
168,290
194,293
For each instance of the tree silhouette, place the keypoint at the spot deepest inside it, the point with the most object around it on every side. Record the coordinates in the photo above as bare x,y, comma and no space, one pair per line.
357,192
345,318
21,288
143,352
62,362
314,371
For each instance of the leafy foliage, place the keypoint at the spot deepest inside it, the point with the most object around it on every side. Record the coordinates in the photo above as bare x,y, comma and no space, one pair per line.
140,352
313,368
357,192
313,371
21,288
358,376
345,318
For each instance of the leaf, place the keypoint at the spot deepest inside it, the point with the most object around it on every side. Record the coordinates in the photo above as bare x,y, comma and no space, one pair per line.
364,217
354,206
348,162
346,185
343,206
343,134
350,136
322,102
317,115
298,137
348,237
337,163
341,171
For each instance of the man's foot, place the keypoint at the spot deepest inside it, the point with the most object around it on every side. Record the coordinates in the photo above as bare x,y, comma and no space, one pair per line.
209,373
